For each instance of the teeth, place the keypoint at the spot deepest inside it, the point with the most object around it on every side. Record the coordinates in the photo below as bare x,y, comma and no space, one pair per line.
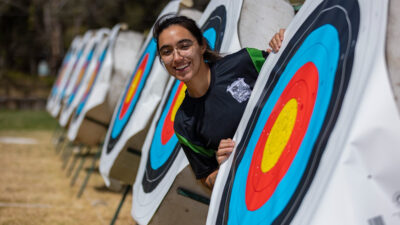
182,67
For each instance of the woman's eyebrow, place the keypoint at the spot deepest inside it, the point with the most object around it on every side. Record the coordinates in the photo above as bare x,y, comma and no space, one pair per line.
179,42
184,40
164,46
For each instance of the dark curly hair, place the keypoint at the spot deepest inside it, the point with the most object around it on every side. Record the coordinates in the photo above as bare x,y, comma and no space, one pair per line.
172,19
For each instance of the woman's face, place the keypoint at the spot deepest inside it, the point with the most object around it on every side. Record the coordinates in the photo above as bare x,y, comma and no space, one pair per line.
180,52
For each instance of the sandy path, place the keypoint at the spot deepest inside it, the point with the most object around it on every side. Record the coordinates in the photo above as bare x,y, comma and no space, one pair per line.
35,190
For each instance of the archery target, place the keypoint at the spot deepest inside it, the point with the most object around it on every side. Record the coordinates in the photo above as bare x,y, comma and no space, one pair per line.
82,127
219,25
83,56
164,147
125,54
83,73
291,122
67,61
91,83
76,57
132,93
80,77
131,118
214,27
162,157
79,59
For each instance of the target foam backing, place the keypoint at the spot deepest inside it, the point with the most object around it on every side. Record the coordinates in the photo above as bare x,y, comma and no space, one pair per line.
392,49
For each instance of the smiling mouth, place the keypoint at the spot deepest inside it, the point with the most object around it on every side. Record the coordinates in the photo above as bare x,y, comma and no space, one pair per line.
183,67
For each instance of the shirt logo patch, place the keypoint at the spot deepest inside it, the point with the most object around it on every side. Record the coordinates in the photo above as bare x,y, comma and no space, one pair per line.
239,90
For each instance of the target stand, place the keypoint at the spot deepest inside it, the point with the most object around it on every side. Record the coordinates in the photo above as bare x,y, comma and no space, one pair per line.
186,202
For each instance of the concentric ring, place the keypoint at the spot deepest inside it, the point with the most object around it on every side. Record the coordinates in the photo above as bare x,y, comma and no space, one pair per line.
132,93
91,83
81,75
271,193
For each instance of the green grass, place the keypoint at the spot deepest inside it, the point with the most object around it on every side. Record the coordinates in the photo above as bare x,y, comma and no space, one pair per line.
26,120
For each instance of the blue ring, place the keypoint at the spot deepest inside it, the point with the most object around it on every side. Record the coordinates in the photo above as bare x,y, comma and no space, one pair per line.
160,153
88,59
83,101
119,124
322,41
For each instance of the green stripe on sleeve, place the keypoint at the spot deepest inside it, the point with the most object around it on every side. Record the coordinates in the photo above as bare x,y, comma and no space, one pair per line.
257,58
195,148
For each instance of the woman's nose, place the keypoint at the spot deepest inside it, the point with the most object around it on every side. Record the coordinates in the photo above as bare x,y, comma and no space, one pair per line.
177,56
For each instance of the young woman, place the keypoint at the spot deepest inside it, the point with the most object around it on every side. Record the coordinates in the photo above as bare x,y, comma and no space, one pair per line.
218,89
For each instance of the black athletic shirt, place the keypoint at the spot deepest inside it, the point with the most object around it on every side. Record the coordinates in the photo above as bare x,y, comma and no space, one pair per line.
201,123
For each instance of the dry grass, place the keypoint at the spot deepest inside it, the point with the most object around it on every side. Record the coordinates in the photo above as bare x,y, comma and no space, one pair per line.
35,190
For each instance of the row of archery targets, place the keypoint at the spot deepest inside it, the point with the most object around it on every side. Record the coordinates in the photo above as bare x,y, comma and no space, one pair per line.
319,142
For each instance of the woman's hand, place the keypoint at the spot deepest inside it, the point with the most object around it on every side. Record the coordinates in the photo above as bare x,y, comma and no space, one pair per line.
276,41
209,181
225,149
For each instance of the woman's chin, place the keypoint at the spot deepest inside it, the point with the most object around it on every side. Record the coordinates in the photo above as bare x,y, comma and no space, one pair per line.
184,78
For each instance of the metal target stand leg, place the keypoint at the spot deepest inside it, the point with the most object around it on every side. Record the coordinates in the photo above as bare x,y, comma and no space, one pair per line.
64,149
58,132
60,144
89,172
192,195
74,161
79,167
127,188
68,155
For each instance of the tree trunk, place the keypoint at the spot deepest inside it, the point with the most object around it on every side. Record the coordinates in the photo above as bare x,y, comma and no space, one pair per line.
53,32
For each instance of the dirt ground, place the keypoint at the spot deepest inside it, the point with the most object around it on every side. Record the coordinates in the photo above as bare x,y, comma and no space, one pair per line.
34,189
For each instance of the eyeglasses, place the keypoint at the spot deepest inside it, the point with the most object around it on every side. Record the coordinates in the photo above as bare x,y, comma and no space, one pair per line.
183,48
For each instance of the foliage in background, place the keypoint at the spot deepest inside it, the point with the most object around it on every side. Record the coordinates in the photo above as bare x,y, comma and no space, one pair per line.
26,120
32,30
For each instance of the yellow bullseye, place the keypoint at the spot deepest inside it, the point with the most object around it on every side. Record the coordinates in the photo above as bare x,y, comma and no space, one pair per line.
279,135
178,102
133,86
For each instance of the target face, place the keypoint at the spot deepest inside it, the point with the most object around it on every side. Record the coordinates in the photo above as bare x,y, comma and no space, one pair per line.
279,152
61,75
81,74
90,85
165,147
214,28
132,93
73,69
